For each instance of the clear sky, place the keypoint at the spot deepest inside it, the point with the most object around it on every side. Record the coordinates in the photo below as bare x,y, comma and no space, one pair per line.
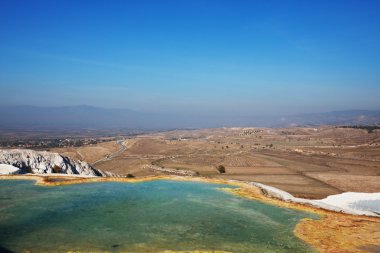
229,57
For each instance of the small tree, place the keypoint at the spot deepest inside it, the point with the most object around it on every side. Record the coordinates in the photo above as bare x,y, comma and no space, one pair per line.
27,169
221,169
57,169
130,176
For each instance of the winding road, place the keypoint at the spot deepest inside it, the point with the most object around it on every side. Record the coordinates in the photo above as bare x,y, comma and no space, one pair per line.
123,147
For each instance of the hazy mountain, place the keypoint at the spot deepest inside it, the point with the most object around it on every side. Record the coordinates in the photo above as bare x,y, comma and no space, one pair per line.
80,117
70,117
349,117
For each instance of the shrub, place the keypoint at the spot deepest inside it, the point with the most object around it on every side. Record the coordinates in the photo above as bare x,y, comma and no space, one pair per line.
221,169
57,169
26,169
130,176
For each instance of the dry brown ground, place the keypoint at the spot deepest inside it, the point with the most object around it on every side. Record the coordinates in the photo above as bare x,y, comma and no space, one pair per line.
89,153
307,162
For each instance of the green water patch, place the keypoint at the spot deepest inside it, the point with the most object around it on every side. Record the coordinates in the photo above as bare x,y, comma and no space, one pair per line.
141,217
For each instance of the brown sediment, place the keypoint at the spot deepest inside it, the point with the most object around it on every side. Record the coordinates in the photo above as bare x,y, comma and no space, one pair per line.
332,233
168,251
68,180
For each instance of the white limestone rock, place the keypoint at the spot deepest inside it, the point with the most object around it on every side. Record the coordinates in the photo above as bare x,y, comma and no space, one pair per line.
42,162
357,203
6,169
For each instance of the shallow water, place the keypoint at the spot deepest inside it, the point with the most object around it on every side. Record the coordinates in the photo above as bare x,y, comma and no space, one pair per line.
141,217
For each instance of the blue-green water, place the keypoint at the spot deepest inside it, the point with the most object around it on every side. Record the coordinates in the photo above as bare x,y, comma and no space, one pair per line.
141,217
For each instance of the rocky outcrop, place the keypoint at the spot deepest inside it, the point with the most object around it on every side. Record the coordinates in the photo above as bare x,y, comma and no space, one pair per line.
42,162
6,169
169,171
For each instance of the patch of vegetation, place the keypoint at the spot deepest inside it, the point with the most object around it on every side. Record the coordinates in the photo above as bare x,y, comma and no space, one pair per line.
57,169
130,176
221,169
369,129
158,162
25,168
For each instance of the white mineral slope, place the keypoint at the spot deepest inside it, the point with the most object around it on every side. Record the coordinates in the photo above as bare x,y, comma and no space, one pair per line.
6,169
356,203
42,162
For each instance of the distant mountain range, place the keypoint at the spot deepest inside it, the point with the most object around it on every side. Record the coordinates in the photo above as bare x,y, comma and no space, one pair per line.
349,117
89,117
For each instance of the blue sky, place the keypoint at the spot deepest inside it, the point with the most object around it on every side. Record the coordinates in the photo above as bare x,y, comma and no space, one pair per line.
222,57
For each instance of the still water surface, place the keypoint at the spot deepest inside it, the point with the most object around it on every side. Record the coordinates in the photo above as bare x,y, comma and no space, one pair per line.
141,217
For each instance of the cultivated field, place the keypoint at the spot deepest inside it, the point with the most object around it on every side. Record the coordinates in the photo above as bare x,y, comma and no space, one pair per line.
307,162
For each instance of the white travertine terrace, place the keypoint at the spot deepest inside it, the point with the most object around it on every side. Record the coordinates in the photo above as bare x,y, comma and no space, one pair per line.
356,203
42,162
6,169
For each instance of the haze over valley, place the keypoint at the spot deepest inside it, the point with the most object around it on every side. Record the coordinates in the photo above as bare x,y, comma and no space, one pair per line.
190,126
90,117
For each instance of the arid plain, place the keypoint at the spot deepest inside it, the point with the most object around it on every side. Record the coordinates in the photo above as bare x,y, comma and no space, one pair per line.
306,162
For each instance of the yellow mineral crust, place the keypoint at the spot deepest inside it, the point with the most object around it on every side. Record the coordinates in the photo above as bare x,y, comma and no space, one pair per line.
333,232
165,251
